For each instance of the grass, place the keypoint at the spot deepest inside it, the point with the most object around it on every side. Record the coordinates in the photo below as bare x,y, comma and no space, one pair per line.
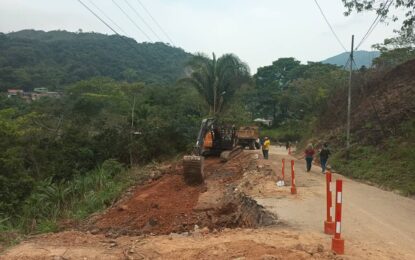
390,165
52,203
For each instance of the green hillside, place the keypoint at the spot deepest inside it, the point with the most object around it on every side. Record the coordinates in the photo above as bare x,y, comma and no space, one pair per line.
30,59
362,58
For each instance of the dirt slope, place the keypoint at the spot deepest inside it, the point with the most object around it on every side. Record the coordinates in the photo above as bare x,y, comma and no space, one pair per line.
378,106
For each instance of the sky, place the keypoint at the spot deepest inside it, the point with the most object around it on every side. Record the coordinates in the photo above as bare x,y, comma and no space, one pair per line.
258,31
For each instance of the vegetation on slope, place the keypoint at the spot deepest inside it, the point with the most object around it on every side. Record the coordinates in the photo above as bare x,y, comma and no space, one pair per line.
389,165
59,142
30,59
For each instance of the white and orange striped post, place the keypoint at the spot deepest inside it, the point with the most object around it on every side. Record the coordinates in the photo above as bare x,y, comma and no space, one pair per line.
337,243
329,226
293,187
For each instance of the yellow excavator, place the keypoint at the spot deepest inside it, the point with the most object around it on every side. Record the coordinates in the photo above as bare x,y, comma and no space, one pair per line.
214,139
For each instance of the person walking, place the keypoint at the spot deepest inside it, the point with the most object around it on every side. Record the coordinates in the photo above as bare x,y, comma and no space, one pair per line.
265,147
309,155
324,156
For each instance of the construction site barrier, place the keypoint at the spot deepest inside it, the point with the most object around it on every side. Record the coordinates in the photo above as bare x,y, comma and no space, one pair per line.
329,226
293,187
337,243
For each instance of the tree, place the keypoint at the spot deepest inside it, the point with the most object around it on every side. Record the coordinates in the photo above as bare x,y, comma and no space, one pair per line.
382,8
217,80
271,81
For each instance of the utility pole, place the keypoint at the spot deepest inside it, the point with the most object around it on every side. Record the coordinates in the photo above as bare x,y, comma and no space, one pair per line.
132,133
349,98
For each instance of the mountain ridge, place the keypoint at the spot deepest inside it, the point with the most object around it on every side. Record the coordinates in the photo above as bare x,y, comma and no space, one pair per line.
362,58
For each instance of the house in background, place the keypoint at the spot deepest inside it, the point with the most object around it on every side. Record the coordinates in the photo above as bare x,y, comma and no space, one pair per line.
37,94
40,90
14,92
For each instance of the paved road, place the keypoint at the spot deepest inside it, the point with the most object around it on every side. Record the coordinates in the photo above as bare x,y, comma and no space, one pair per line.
373,219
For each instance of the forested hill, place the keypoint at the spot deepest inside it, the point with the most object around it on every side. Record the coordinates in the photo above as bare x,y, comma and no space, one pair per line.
54,59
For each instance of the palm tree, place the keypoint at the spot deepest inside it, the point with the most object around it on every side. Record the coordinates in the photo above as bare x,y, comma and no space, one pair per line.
217,80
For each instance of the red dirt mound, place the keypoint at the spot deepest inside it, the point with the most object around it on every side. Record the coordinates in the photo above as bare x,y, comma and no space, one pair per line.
161,207
169,205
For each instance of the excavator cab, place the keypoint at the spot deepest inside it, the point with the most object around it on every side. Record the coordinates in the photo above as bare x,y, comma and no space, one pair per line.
214,139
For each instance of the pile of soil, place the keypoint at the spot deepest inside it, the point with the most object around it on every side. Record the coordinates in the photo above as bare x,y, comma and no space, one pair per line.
161,207
168,205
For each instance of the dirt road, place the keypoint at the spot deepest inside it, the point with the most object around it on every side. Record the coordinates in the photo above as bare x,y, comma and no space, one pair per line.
376,224
373,219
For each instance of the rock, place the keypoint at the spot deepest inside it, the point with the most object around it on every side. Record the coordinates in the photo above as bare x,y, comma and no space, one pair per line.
205,231
153,222
122,208
320,248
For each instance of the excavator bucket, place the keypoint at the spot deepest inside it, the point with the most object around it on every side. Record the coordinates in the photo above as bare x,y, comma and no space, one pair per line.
193,169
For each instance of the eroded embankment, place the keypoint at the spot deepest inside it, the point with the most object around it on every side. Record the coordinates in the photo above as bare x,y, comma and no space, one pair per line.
168,205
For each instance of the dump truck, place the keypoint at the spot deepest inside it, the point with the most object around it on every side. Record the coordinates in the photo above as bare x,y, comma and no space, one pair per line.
248,136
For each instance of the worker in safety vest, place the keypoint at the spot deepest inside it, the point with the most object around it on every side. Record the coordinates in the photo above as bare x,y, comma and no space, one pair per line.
265,147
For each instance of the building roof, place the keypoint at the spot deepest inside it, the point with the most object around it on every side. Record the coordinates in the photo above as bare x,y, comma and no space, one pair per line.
14,90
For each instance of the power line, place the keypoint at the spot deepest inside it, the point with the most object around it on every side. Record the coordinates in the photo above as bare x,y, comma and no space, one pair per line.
131,20
99,18
106,16
331,28
106,24
155,21
374,23
142,19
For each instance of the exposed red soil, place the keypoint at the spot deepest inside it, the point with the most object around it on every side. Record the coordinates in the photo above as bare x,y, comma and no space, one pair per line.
167,205
160,207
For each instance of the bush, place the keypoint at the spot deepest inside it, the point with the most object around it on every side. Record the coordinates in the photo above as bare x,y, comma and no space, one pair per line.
76,198
112,167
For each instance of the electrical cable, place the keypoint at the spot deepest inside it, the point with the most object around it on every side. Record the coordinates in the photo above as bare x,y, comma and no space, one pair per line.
132,21
142,19
106,24
106,16
155,21
331,28
374,23
99,18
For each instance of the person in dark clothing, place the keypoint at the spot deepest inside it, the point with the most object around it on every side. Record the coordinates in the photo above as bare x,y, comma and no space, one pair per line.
324,156
309,155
